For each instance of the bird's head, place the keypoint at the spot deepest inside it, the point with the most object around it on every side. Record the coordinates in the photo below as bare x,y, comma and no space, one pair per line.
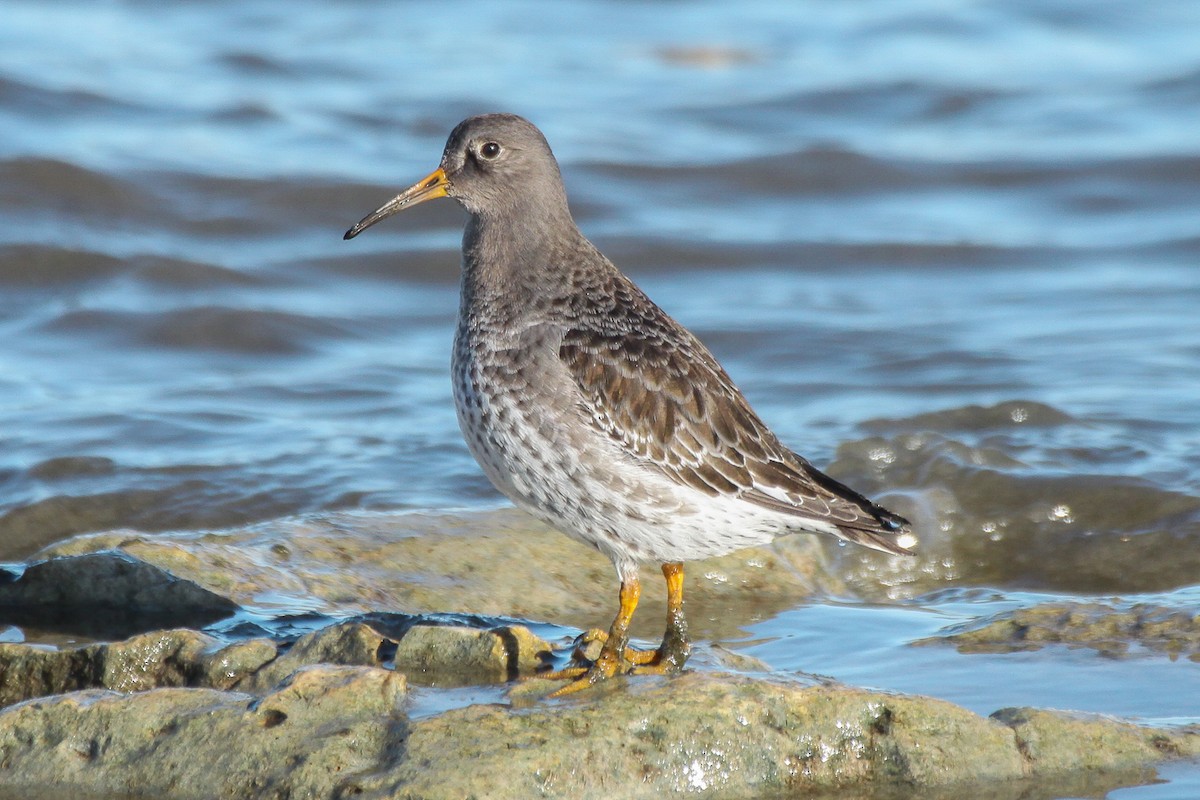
492,164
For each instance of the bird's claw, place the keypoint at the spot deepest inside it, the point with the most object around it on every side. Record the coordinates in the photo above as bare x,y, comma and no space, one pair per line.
665,660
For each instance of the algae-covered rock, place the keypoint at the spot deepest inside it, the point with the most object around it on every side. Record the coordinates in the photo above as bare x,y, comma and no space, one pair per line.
450,654
715,735
346,643
501,563
165,658
325,723
340,731
1110,630
1059,741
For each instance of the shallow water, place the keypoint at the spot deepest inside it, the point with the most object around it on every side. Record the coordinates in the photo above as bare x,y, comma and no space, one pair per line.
949,248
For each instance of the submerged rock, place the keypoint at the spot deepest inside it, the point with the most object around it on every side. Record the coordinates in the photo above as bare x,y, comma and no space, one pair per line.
989,520
1101,627
339,731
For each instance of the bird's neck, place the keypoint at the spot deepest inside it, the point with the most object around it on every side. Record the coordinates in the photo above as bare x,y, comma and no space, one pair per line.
513,264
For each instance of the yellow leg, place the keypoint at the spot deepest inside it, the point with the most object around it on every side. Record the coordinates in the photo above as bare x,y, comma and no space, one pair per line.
617,658
673,652
612,659
675,646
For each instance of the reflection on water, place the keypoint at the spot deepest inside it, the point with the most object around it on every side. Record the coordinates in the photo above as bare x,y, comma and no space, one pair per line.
948,248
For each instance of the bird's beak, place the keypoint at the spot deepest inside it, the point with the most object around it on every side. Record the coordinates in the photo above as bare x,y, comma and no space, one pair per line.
434,185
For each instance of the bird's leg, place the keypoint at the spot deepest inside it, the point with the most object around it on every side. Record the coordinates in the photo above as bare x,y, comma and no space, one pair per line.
616,657
612,659
675,648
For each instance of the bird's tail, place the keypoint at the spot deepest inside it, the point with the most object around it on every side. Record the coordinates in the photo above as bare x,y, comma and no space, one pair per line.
893,535
877,528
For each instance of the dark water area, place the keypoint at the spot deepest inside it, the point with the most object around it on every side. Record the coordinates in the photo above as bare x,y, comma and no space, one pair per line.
949,249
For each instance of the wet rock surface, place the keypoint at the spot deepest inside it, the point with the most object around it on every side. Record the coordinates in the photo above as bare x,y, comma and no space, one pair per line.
443,655
320,725
107,595
187,658
337,731
421,564
1099,626
324,709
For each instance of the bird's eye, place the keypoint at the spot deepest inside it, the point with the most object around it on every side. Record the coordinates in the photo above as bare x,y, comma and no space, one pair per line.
489,150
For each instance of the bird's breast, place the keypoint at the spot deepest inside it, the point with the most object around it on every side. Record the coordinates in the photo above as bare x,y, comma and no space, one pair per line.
512,408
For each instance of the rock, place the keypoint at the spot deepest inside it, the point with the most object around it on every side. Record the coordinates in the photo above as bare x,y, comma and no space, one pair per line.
302,740
179,658
340,731
27,671
310,692
501,563
107,595
1101,627
165,658
717,735
233,664
452,654
1059,741
347,643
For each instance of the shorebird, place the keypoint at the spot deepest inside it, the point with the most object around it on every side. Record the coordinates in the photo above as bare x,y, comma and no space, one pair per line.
595,411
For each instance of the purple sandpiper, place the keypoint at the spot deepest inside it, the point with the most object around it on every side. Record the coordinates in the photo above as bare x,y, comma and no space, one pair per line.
596,412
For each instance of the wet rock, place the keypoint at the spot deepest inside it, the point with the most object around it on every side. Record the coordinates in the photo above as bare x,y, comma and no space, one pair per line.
1059,741
1102,627
446,655
301,740
165,658
337,731
496,563
347,643
179,658
107,595
451,654
238,662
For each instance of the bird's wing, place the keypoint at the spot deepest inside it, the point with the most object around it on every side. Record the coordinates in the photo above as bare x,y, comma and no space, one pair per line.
654,389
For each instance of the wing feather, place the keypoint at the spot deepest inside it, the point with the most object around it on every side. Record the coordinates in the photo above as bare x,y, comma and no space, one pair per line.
653,388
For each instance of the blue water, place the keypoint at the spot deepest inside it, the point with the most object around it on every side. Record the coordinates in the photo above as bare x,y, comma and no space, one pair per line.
947,248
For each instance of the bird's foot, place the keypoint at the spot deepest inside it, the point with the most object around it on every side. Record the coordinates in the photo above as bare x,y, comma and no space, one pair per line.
589,647
667,659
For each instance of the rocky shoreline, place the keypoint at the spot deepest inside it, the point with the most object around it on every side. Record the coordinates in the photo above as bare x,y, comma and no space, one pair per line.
189,713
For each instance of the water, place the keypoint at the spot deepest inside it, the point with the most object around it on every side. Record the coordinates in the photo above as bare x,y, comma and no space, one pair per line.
948,247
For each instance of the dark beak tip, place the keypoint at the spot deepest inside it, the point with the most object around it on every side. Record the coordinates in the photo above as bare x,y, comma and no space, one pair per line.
348,235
